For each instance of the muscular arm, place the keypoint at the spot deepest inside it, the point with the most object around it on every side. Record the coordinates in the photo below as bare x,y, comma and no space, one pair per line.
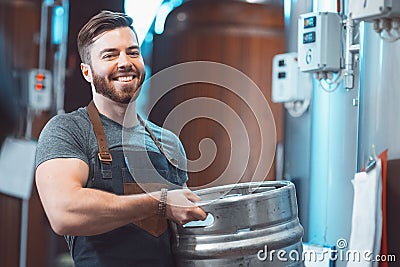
73,209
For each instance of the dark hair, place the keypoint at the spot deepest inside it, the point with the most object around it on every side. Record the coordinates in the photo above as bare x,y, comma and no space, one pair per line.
102,22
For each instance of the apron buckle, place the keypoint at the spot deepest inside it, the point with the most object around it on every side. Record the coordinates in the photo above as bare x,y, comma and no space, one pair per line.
105,157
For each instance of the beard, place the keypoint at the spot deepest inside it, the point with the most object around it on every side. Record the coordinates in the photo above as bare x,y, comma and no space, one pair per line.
123,95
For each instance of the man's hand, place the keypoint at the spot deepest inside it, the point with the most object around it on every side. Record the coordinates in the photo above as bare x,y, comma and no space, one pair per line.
181,208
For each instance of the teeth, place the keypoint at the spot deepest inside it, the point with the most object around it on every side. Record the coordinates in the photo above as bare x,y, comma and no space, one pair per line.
125,79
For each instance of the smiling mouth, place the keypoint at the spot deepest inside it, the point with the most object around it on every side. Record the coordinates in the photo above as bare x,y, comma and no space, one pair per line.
124,79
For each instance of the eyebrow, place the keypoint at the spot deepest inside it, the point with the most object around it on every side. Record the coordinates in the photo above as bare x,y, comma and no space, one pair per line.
114,49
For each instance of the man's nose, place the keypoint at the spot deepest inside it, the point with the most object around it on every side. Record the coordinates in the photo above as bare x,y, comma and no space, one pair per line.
124,61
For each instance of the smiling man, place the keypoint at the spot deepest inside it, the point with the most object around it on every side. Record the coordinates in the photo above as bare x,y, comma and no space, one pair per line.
111,198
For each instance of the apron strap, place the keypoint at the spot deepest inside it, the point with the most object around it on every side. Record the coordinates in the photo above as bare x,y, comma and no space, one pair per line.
104,155
174,162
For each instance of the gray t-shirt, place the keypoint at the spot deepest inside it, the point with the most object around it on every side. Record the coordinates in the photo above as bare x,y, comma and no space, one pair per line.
71,135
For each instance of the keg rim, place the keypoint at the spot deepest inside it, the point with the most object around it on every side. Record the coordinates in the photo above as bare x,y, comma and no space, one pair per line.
224,191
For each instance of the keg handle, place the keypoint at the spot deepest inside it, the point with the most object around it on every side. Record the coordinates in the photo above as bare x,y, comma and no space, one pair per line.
195,224
210,220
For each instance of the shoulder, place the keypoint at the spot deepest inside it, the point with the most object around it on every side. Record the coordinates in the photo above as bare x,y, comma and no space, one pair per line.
75,118
76,123
169,140
64,135
163,135
160,131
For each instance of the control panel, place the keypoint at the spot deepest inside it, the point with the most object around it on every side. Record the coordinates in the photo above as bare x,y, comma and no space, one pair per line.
289,84
319,43
368,10
39,86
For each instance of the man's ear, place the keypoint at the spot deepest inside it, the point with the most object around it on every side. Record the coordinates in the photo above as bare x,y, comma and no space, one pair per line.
87,72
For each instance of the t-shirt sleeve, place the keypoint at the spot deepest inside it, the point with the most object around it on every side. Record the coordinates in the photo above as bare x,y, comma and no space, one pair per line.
182,162
178,153
62,137
173,148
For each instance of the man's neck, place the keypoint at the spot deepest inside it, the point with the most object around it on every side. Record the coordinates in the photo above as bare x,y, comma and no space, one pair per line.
116,111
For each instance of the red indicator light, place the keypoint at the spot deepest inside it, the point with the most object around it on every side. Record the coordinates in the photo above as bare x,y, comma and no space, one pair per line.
39,77
39,86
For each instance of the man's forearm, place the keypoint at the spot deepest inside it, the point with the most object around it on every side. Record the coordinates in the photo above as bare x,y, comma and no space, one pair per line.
89,211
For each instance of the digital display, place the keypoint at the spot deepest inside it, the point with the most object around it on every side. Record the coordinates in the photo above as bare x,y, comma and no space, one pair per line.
309,37
310,22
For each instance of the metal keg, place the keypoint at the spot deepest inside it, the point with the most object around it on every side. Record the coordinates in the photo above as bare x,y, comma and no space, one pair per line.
248,224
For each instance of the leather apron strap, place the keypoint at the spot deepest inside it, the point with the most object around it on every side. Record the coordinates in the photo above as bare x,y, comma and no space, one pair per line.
104,155
158,144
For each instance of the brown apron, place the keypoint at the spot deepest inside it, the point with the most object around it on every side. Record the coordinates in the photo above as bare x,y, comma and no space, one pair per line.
155,225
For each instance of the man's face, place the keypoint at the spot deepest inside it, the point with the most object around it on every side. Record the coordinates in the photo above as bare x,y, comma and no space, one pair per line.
117,65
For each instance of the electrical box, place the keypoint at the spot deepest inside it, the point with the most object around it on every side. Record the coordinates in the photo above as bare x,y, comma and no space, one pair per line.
39,86
367,10
289,84
319,44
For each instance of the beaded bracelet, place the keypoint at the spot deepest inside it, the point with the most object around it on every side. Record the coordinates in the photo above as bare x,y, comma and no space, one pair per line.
162,205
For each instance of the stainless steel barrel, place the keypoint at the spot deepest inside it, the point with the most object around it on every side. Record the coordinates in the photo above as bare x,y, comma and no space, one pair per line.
249,224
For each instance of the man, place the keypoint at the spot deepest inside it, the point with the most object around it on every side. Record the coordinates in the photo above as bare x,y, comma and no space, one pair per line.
87,174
